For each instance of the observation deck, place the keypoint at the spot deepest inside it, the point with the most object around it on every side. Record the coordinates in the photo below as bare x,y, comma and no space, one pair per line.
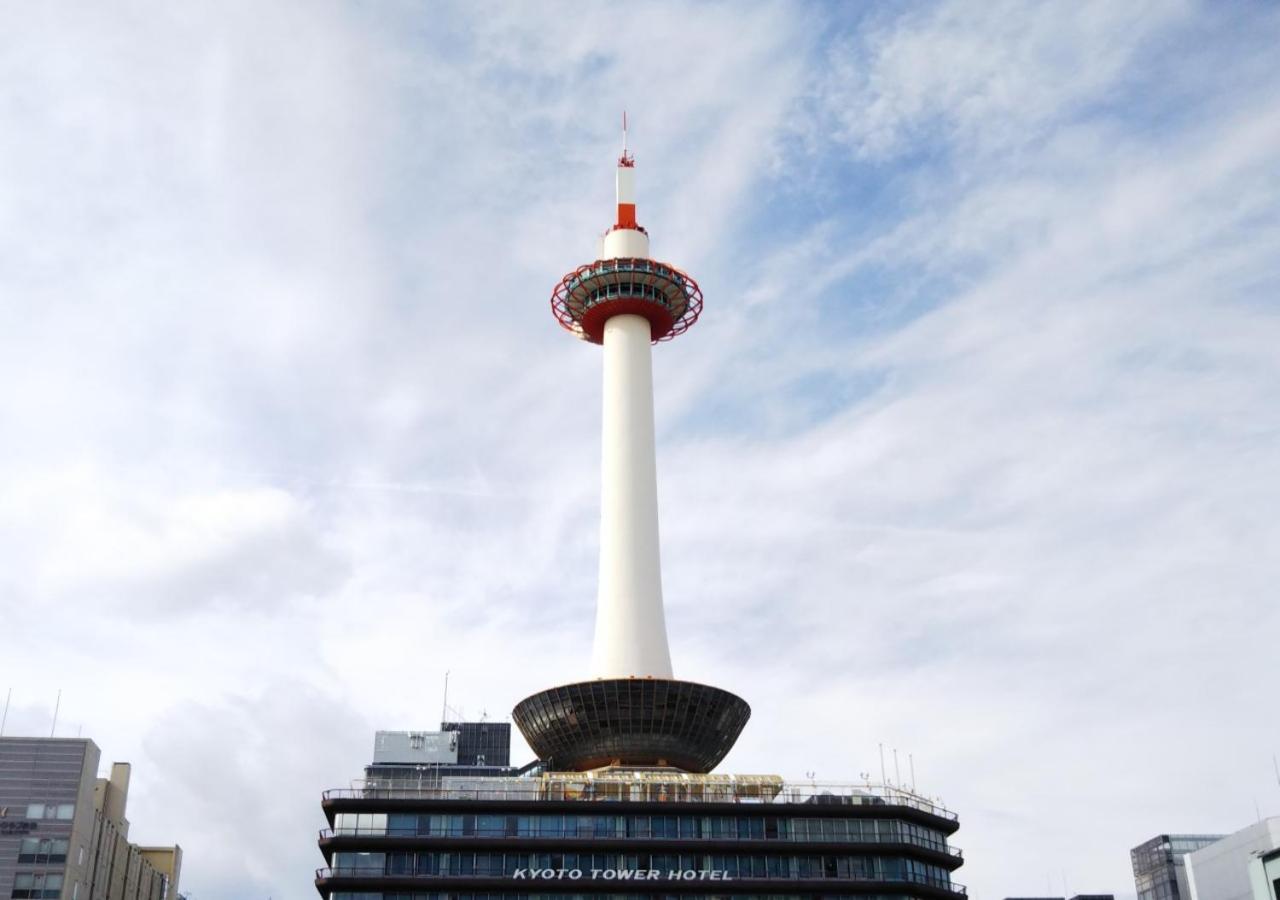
590,295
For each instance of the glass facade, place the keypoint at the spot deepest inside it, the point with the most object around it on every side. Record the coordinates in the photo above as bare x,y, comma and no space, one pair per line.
1159,866
482,743
799,829
625,866
462,841
626,832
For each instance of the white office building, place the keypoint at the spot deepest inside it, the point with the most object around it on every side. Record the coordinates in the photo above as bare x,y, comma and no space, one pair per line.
1238,866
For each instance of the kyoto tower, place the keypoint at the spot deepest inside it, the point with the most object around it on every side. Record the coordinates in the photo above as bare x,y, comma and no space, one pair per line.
633,712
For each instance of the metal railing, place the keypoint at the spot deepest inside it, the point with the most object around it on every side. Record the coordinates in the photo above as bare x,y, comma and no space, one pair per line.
647,266
683,840
586,789
370,874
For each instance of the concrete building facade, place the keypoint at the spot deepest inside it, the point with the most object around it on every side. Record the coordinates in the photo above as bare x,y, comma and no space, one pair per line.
63,830
1221,871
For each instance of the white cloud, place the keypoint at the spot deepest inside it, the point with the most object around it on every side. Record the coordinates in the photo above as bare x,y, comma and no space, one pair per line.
983,470
986,75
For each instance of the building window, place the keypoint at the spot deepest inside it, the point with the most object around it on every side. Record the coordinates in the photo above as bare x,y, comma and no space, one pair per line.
65,811
48,850
36,886
360,823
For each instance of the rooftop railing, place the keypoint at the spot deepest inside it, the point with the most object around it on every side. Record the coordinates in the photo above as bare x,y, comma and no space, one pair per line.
618,788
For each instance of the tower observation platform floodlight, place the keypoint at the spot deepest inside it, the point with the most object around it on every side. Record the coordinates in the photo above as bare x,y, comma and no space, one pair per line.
634,712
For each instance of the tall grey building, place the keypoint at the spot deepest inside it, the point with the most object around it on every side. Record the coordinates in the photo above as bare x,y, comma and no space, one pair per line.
63,831
1159,865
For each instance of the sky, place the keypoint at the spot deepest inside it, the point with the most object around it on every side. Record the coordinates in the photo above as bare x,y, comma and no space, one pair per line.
974,452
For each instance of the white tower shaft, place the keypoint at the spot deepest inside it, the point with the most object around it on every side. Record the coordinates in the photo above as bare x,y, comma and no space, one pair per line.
631,629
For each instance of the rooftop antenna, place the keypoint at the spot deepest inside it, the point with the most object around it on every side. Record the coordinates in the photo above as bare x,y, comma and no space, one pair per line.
911,761
883,778
56,706
444,704
626,159
897,776
9,696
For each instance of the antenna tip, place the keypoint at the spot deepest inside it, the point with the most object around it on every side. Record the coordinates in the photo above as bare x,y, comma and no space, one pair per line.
626,159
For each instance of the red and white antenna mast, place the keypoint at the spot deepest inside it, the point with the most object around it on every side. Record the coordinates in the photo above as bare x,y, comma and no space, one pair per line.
626,159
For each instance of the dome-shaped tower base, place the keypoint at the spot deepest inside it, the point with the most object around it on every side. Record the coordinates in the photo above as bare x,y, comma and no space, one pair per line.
632,722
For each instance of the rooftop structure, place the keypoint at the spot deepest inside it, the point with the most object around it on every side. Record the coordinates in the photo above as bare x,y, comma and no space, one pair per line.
420,759
634,712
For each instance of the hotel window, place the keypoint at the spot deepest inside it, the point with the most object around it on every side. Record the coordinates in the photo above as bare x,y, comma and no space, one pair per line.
402,823
361,862
360,823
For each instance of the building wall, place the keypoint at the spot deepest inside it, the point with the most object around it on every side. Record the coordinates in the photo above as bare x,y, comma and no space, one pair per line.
1221,870
46,801
168,862
63,831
